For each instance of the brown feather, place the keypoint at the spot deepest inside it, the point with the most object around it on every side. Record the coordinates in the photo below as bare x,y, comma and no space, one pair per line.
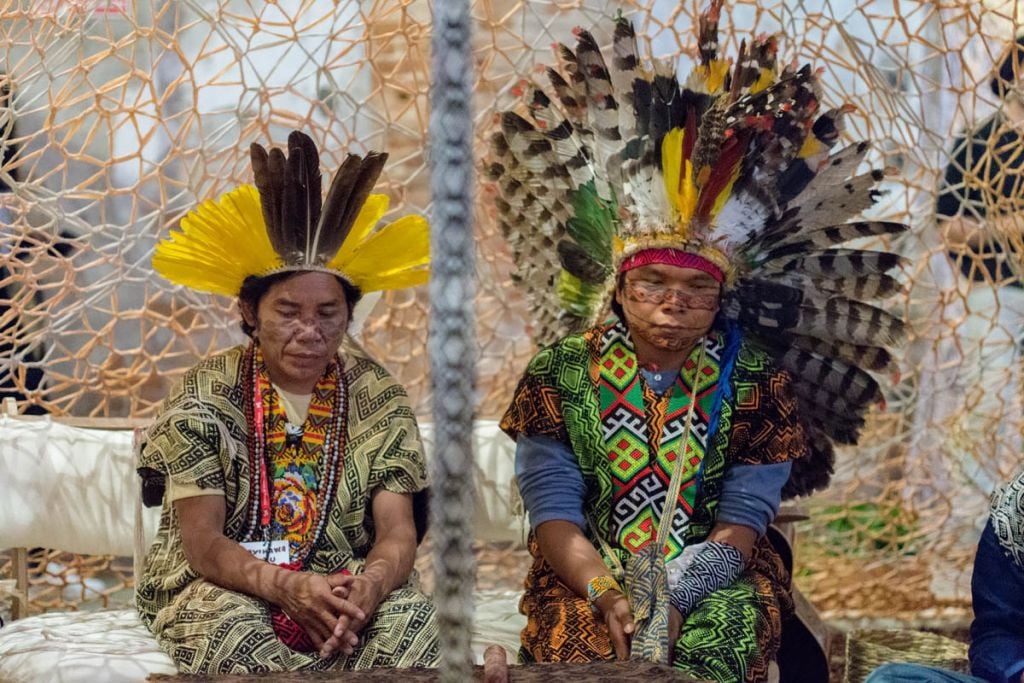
265,185
350,188
302,189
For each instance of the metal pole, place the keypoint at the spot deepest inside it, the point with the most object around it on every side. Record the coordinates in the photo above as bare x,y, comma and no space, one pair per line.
452,339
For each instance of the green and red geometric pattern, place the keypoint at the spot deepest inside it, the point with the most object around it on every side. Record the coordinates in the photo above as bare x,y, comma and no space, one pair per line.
637,422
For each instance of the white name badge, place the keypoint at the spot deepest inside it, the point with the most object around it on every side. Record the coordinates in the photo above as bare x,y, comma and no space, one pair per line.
274,552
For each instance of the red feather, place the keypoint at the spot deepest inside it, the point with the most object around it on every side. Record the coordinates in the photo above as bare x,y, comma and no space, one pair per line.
721,174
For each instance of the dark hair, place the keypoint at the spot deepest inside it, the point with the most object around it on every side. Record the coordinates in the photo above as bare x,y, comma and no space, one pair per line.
255,287
1010,69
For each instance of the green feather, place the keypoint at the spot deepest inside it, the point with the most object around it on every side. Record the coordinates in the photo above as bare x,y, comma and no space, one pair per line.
578,297
593,224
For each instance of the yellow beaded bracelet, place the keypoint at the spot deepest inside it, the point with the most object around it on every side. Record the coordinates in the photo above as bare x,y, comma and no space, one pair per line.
599,585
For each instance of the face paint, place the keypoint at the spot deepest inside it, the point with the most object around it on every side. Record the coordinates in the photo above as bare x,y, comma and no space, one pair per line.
658,336
668,307
300,322
656,294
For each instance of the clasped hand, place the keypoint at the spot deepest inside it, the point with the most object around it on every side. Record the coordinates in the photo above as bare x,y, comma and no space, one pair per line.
332,609
365,592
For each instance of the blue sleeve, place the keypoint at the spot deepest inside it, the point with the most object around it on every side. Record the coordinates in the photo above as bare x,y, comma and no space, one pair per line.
751,494
997,633
550,481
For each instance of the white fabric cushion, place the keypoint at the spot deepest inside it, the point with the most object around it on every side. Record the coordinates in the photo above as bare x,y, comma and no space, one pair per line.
114,646
110,646
68,488
496,517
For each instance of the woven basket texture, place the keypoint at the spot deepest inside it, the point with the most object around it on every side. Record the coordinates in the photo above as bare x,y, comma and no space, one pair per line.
869,648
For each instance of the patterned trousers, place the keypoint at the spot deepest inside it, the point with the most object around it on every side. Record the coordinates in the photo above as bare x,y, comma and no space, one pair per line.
209,629
732,635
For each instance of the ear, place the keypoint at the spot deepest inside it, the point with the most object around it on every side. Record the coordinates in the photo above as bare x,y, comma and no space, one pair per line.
248,314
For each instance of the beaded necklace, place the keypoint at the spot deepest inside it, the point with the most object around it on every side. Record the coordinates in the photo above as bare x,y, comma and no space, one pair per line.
324,434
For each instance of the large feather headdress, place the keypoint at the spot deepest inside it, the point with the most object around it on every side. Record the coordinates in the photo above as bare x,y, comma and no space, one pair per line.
284,224
737,164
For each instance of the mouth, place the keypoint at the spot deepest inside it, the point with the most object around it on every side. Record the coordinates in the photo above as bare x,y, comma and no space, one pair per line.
673,329
306,357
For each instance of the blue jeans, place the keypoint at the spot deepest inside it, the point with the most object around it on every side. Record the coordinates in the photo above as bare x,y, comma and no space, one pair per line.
918,673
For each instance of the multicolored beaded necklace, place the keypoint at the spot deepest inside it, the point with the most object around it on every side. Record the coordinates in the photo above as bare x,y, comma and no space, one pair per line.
269,450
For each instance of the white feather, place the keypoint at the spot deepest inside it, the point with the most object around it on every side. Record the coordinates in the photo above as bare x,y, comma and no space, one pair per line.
742,217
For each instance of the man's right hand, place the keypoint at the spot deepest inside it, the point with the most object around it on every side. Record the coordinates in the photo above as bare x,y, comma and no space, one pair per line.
311,603
614,609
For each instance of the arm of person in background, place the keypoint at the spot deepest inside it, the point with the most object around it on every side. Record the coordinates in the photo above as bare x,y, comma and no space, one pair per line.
997,632
553,491
966,203
306,597
964,230
388,566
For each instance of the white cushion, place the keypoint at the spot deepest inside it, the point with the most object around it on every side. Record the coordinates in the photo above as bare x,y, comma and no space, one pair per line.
110,646
114,646
68,488
496,517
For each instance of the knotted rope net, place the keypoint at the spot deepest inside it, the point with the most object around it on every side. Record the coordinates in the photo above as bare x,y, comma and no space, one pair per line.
118,117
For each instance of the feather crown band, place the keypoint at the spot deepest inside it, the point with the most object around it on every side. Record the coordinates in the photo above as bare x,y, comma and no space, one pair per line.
740,163
283,224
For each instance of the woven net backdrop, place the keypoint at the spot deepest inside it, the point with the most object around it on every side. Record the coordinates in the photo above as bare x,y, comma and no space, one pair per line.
117,117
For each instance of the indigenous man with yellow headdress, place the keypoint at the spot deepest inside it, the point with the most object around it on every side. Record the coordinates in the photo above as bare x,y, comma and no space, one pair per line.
655,444
288,467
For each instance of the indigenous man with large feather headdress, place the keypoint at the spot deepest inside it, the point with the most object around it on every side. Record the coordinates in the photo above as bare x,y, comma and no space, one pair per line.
290,470
654,444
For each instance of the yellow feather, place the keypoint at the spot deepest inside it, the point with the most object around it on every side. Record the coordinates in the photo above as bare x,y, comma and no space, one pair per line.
398,247
765,79
671,165
373,210
401,280
811,147
222,242
204,254
724,195
687,196
682,192
717,71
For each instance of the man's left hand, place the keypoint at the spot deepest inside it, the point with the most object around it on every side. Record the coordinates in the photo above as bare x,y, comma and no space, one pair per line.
366,592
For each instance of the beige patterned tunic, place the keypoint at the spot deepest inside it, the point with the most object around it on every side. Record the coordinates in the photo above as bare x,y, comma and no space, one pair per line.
199,443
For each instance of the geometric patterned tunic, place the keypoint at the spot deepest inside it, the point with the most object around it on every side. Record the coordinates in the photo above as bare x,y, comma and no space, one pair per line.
199,442
735,632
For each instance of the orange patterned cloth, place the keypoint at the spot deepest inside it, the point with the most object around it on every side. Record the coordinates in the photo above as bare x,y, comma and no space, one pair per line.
561,626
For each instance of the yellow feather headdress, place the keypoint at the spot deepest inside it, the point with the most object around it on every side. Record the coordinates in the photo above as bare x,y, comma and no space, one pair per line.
282,224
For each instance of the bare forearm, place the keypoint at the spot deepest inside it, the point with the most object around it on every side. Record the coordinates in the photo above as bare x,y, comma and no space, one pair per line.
219,559
391,560
963,230
571,555
737,535
224,562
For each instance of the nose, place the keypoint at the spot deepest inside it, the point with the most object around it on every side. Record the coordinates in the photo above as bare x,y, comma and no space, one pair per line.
307,329
675,299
